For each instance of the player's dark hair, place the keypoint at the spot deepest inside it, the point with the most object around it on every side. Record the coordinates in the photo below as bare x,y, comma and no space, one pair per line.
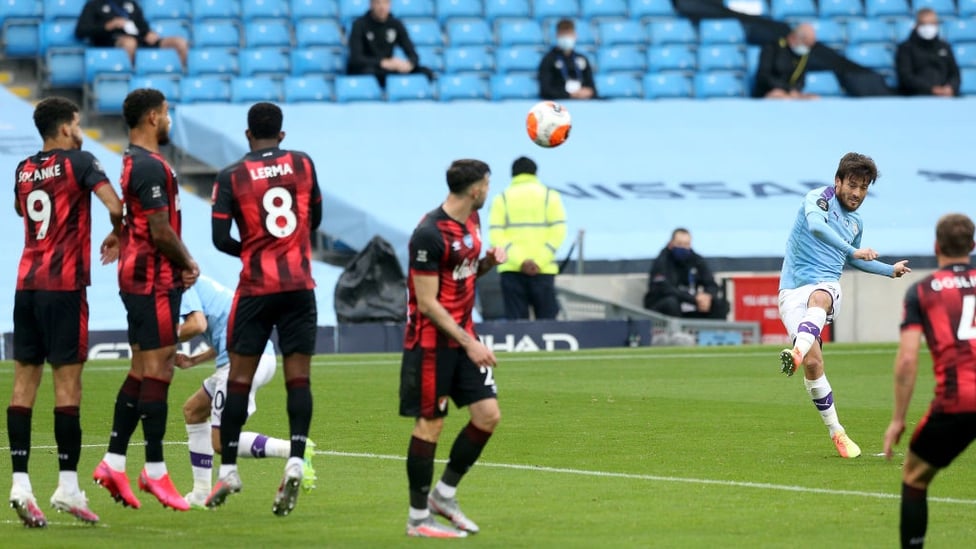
524,164
138,103
678,231
954,235
464,173
264,120
857,166
51,113
565,25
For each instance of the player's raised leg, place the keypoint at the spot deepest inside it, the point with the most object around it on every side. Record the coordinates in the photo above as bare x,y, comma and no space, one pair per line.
27,377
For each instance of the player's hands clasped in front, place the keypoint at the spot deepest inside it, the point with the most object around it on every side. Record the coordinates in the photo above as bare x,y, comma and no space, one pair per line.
191,275
480,354
110,249
867,254
495,256
183,361
892,436
901,269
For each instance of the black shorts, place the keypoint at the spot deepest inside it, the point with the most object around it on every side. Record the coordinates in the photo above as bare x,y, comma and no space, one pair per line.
50,326
429,376
253,317
940,438
153,318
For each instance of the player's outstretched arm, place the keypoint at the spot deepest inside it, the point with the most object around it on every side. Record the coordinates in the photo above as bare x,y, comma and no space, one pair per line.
906,370
822,231
426,288
193,325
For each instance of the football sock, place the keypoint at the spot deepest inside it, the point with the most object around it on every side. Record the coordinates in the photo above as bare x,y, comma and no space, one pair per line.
420,471
124,421
201,455
809,330
69,481
153,408
299,414
914,516
465,451
155,469
260,446
823,398
67,434
234,416
23,480
19,436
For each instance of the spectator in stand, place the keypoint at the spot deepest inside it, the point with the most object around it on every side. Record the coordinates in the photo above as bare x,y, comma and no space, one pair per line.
783,65
681,284
925,63
121,24
371,42
565,73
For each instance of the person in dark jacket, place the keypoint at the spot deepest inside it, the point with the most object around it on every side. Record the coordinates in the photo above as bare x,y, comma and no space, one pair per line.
564,73
121,24
681,284
783,65
371,42
925,64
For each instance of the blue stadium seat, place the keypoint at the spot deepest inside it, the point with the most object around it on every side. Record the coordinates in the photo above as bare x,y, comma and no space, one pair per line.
254,89
59,35
966,8
667,85
326,33
886,8
822,83
106,61
204,89
617,85
942,7
171,28
321,61
313,9
469,32
211,61
307,89
860,31
960,30
620,58
454,9
519,32
166,9
264,9
585,35
462,86
22,9
431,58
267,34
830,32
718,84
424,31
64,55
967,85
752,65
517,59
169,86
216,34
107,95
674,31
157,61
67,10
840,9
620,31
412,8
514,86
495,9
872,56
351,9
721,58
781,9
965,54
651,9
216,9
721,31
671,58
357,88
21,38
263,62
408,87
555,8
468,59
903,27
596,9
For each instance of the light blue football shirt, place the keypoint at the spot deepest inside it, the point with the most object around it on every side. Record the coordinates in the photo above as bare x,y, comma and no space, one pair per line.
816,252
214,301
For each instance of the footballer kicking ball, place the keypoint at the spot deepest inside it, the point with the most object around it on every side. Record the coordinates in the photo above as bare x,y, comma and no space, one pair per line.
548,124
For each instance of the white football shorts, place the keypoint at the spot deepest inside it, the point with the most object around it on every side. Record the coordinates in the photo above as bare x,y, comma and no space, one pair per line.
793,304
216,387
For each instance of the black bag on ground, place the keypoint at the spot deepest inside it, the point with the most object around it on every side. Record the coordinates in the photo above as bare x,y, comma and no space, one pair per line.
372,288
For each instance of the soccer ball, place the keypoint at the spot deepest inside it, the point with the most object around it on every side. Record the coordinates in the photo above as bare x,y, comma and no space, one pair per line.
548,124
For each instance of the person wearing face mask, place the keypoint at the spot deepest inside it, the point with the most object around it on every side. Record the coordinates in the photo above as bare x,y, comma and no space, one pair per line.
783,65
925,63
565,73
681,284
372,40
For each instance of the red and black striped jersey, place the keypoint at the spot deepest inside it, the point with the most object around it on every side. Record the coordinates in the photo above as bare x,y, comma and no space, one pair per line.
53,192
444,247
149,185
270,195
943,306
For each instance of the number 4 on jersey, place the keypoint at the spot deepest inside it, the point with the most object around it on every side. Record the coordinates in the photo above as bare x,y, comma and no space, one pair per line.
281,221
967,322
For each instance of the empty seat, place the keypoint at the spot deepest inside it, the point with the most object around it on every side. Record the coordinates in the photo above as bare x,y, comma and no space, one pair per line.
216,9
515,32
967,85
320,61
781,9
830,32
67,10
171,28
965,54
903,27
621,31
872,56
23,9
651,9
592,9
671,58
311,9
860,31
166,9
718,84
307,89
839,9
222,34
408,87
495,9
620,58
59,35
215,61
264,9
170,87
106,62
107,95
157,61
721,58
431,58
886,8
264,34
960,30
357,88
412,8
467,59
618,85
251,89
263,61
199,89
966,8
822,83
941,7
453,9
667,85
326,33
351,9
21,38
64,56
424,31
517,59
514,86
462,86
721,31
675,31
469,32
555,8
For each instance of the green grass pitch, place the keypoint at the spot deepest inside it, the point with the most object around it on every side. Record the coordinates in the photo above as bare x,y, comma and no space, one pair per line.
703,447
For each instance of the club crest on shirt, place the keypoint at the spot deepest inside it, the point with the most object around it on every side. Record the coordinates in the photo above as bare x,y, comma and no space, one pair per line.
391,35
581,62
468,240
456,246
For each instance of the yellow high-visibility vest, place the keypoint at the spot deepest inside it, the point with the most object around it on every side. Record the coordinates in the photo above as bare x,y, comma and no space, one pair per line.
529,221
